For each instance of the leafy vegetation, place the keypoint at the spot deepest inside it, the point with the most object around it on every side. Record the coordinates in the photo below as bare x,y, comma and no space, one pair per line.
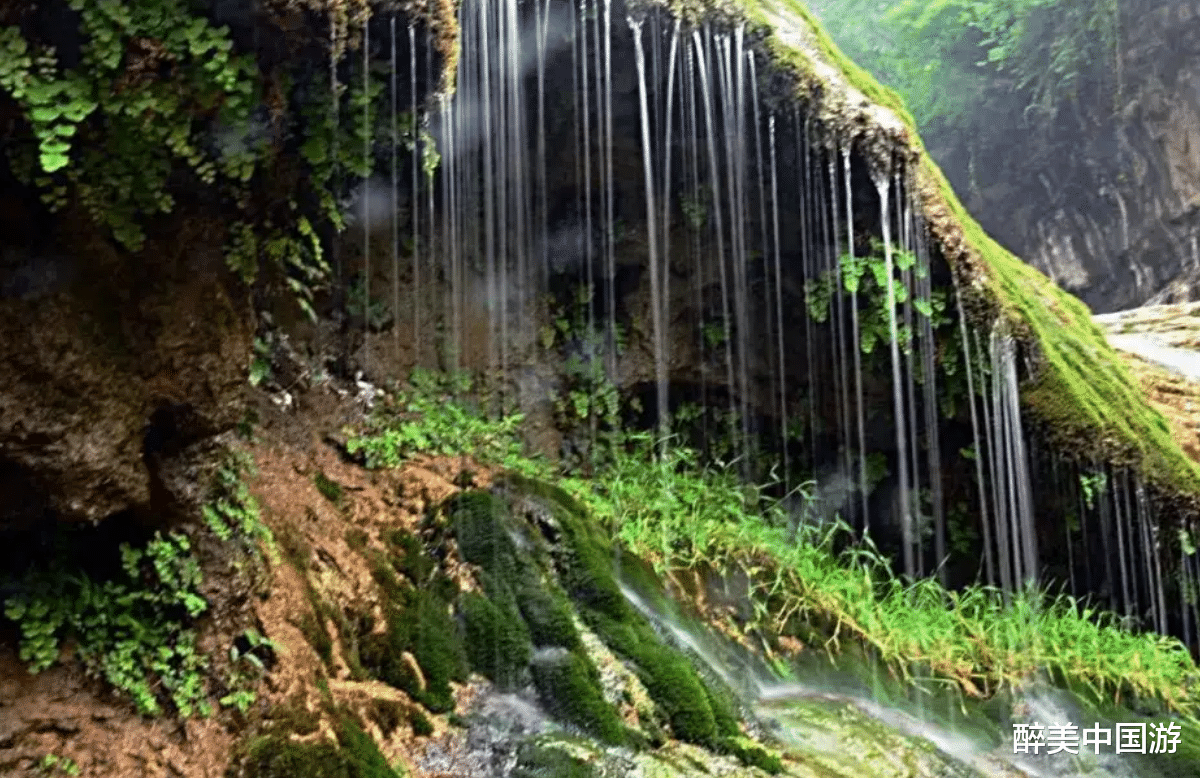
355,755
681,516
157,103
134,626
982,66
1082,395
110,128
435,415
867,276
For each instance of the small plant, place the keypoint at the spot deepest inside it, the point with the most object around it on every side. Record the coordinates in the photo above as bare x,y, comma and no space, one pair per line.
247,667
1093,485
434,416
695,211
133,630
232,512
53,764
376,315
260,363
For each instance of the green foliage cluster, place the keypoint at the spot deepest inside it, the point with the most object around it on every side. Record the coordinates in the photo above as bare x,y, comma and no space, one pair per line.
159,102
150,79
232,512
518,611
681,516
247,669
536,759
136,628
662,505
435,415
1082,394
867,276
588,399
53,764
584,560
962,64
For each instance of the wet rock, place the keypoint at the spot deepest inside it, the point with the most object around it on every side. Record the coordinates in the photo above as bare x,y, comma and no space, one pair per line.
113,367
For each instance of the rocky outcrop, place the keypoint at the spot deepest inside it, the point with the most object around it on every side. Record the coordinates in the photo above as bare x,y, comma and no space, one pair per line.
1105,198
113,364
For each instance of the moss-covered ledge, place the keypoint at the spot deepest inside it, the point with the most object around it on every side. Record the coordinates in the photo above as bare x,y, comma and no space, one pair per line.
1080,396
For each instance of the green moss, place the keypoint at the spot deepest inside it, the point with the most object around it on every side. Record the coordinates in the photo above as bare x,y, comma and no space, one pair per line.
547,613
724,710
409,557
356,538
312,626
479,522
420,723
752,754
536,759
388,714
331,490
497,640
419,623
276,756
485,531
669,677
294,717
569,687
362,754
586,568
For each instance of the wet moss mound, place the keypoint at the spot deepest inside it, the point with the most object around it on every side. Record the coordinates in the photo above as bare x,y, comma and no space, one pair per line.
517,610
420,625
497,639
569,688
277,756
539,760
586,561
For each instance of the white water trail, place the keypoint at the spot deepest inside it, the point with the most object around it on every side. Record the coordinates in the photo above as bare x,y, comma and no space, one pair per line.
395,220
656,308
906,523
366,194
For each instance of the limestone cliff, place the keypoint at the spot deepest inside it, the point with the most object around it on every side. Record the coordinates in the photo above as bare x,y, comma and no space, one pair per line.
1104,199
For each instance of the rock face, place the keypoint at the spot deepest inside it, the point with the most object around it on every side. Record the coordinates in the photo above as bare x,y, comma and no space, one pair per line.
1106,200
112,366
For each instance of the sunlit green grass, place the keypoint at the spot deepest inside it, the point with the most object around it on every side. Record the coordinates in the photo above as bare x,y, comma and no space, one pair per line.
678,515
681,515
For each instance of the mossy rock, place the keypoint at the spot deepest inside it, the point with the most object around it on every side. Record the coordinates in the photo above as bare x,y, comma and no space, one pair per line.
548,614
409,556
485,531
536,759
331,490
276,756
418,623
587,563
496,638
569,687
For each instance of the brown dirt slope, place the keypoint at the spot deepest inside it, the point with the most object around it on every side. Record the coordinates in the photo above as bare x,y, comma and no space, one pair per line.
63,713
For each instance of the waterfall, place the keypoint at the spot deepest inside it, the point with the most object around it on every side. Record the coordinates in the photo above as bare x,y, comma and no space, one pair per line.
816,315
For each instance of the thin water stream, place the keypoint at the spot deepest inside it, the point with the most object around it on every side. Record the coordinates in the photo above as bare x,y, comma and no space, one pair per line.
852,719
